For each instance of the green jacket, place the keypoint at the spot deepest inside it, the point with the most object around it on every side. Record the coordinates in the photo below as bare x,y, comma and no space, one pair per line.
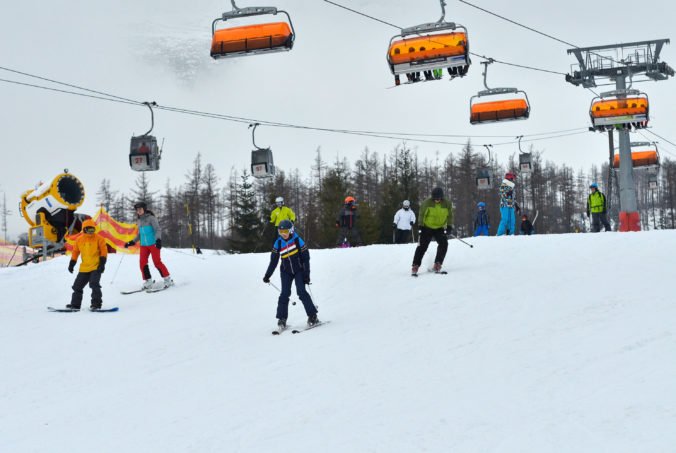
596,202
283,213
435,215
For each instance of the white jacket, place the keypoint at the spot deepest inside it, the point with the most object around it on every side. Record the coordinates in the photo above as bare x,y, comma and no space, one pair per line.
403,219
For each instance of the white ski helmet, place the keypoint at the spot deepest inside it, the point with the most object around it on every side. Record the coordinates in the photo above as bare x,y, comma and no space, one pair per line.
279,201
406,204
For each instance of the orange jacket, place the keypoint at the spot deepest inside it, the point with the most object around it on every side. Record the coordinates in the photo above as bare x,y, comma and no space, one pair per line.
91,247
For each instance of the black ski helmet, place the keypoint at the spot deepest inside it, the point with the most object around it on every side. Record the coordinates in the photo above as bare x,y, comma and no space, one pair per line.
141,204
437,193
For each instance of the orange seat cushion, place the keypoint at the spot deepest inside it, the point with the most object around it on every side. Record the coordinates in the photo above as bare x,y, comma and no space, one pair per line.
499,110
428,47
251,37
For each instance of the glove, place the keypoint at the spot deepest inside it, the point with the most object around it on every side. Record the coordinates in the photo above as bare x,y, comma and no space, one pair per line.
587,213
412,223
158,244
394,226
102,265
129,244
337,224
266,279
306,278
71,266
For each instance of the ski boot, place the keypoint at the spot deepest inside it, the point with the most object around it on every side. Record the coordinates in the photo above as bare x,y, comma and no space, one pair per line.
437,268
168,282
281,323
414,270
312,320
72,307
147,284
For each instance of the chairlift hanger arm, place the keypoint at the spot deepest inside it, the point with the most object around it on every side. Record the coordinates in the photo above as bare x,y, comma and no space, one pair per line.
152,116
253,135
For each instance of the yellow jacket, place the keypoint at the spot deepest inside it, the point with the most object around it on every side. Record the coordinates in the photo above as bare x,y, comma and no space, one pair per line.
282,213
91,247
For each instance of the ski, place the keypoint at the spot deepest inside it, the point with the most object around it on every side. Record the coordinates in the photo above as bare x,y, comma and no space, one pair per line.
132,292
320,323
158,289
104,310
279,330
437,272
72,310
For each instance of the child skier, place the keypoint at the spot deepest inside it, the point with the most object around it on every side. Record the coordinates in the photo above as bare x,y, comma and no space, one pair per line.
150,235
481,222
94,252
526,226
295,267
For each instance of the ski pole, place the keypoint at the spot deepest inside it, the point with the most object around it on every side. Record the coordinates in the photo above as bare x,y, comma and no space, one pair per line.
456,237
117,269
293,302
312,296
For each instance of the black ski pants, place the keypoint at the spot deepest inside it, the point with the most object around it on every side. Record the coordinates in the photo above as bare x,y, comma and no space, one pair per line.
81,280
350,235
303,295
426,236
403,236
599,218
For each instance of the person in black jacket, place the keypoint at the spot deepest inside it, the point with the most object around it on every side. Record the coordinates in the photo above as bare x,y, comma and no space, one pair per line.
347,222
526,226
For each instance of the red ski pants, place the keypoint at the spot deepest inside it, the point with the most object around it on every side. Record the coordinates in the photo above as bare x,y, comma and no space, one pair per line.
157,261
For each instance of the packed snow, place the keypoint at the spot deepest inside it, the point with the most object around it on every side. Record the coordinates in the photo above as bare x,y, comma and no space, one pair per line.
560,343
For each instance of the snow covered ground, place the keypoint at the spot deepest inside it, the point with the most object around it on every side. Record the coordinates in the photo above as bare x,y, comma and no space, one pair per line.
562,343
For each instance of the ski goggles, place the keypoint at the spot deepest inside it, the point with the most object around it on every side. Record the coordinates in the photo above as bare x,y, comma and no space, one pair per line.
284,231
89,229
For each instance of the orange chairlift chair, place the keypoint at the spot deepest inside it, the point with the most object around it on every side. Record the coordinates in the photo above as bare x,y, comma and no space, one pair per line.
144,154
491,110
251,39
429,47
620,108
644,155
262,164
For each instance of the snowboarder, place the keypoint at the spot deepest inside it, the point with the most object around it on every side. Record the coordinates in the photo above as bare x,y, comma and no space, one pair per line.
347,222
508,206
404,219
596,206
94,252
436,218
281,212
295,267
481,221
150,235
526,226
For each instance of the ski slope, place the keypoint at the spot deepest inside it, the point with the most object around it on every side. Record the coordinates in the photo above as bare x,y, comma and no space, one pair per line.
560,343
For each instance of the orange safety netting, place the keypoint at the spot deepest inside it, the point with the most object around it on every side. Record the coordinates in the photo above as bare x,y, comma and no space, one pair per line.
12,254
251,37
619,107
115,233
429,47
640,159
509,109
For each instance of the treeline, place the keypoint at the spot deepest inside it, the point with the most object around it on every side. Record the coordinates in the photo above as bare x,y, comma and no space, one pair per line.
233,215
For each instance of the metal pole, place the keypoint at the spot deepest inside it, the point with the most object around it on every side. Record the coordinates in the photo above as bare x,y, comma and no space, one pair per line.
611,158
628,202
456,237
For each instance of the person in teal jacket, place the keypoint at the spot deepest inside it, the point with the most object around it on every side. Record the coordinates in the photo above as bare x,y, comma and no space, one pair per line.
434,220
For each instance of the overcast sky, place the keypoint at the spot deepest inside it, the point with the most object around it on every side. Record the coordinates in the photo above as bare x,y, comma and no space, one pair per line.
335,77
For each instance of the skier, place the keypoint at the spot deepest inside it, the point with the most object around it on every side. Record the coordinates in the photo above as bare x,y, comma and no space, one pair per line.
94,252
404,219
281,212
526,226
347,222
507,206
295,267
436,218
150,234
596,205
481,222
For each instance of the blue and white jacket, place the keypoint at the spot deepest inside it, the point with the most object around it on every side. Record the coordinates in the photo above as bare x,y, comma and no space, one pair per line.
148,229
294,253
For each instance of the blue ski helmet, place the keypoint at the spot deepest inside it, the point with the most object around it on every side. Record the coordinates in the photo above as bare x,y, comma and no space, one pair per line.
481,204
594,186
286,224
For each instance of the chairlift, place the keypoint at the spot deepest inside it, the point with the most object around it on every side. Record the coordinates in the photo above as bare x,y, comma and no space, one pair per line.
484,177
619,108
262,165
525,165
253,39
496,106
430,47
644,155
144,153
653,182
